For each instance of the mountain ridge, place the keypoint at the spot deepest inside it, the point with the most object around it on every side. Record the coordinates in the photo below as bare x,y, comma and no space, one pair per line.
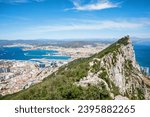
109,74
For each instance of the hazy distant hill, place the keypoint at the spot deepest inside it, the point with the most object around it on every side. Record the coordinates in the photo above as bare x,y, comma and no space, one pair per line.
111,74
64,43
32,42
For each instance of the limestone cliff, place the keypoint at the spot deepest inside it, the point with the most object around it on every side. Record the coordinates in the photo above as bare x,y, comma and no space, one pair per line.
116,66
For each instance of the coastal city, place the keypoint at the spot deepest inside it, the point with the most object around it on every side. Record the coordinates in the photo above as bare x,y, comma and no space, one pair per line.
16,75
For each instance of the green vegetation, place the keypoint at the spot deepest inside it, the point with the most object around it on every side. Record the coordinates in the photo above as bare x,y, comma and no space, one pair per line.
114,47
137,95
114,60
96,66
60,85
103,75
0,96
128,67
140,94
114,89
59,91
124,40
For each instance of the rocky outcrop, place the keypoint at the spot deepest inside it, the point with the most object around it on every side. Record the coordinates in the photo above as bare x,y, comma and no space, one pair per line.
116,67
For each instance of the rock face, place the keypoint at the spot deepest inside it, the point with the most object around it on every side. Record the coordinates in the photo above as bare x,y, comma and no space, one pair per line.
116,66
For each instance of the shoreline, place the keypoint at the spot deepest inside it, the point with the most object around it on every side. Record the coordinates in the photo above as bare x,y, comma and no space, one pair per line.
22,74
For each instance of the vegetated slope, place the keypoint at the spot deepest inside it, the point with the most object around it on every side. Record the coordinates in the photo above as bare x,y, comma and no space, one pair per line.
106,75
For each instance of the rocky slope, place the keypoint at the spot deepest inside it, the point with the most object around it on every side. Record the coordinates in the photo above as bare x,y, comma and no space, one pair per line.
119,68
111,74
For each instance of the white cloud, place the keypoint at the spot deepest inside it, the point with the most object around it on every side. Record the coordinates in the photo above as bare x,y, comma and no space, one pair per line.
19,1
84,28
87,25
98,5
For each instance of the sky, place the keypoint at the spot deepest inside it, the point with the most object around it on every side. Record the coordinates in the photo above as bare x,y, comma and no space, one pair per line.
74,19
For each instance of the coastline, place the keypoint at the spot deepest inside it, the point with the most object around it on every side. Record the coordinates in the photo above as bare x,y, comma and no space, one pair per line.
24,73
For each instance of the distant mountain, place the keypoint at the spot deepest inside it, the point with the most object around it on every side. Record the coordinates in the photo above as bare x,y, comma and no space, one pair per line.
111,74
141,41
61,43
72,42
32,42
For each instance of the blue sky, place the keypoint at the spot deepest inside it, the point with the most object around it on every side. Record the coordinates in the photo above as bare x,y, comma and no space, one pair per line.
74,19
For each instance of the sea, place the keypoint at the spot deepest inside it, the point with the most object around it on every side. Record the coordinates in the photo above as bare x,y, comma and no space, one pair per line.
18,53
142,53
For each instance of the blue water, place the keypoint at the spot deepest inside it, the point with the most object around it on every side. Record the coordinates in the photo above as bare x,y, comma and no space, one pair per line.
17,53
142,53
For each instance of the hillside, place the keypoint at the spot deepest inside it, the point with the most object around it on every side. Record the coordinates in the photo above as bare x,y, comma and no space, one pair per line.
111,74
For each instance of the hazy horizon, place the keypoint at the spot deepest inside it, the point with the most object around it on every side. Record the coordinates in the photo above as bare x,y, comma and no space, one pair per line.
80,39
